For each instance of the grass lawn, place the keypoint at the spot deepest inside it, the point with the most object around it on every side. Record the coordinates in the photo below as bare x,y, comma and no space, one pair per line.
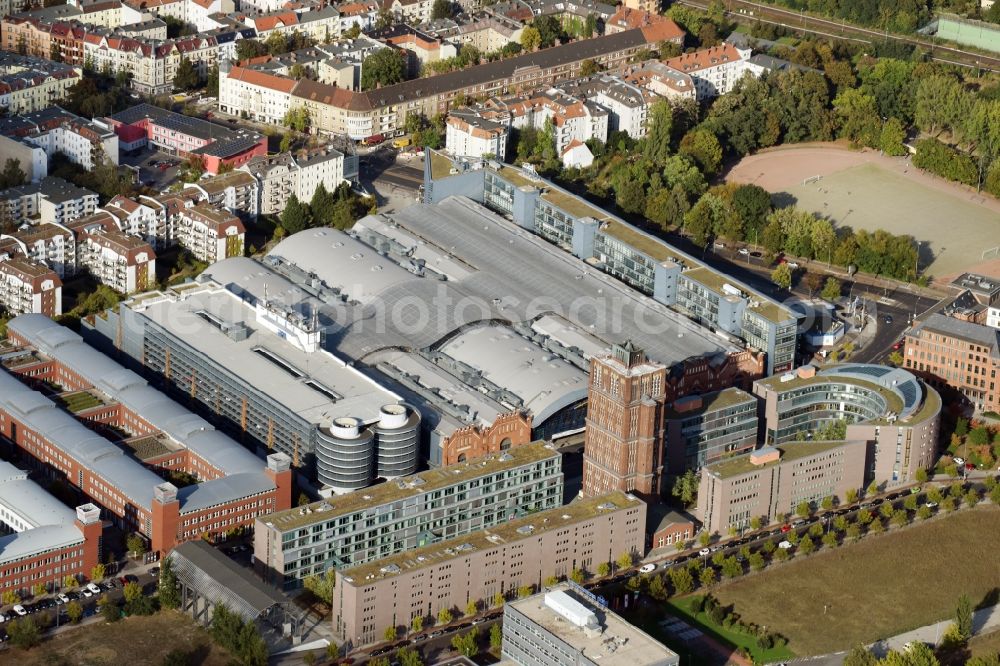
682,607
985,645
134,640
877,588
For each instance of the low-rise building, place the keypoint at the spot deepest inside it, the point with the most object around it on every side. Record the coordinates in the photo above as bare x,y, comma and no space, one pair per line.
771,482
667,528
392,591
44,541
187,137
567,625
413,511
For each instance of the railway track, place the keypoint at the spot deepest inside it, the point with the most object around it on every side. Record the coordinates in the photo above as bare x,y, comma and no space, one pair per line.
746,9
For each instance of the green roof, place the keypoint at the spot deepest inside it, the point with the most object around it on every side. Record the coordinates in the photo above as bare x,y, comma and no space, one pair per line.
648,245
893,402
714,280
440,165
407,486
713,402
552,519
791,451
574,205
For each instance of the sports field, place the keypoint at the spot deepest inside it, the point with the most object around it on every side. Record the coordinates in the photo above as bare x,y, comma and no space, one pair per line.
877,588
865,190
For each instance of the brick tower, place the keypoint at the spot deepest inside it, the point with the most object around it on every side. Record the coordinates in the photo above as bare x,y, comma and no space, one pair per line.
623,445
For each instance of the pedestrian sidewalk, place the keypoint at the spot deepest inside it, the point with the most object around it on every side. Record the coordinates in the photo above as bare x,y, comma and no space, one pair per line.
984,621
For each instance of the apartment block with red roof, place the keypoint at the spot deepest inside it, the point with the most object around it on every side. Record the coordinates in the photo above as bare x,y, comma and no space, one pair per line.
124,263
210,234
28,287
714,70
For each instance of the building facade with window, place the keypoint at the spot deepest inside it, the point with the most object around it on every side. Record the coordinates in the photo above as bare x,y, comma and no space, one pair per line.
408,513
704,428
477,567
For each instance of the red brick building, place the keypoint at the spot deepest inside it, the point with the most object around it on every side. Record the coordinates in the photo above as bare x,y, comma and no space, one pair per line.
235,486
471,442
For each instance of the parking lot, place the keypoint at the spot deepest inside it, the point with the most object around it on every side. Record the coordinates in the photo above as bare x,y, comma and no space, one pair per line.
156,168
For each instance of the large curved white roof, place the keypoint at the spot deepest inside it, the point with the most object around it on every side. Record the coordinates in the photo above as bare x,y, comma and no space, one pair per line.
342,262
544,382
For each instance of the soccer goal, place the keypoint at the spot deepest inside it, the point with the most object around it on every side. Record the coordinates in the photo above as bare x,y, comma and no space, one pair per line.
811,179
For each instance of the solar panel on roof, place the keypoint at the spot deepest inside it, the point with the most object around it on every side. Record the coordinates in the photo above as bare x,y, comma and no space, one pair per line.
909,391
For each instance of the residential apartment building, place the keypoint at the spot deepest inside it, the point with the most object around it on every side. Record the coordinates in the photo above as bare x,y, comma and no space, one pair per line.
50,245
28,286
715,70
669,276
44,541
208,233
771,482
567,625
889,408
390,592
661,80
235,486
701,429
49,201
124,263
627,105
186,136
623,445
29,84
263,96
571,119
42,134
237,192
956,355
384,110
410,512
468,133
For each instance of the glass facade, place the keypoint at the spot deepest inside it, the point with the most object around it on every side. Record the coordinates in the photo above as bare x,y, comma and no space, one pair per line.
553,225
499,194
709,437
810,407
624,262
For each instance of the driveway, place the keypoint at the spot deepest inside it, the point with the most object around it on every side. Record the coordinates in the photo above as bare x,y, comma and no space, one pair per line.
150,175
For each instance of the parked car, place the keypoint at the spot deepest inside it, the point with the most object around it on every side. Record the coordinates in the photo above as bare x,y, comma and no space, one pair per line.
647,568
87,593
785,545
887,319
94,588
959,461
63,599
704,551
786,528
791,264
155,572
19,609
745,252
931,505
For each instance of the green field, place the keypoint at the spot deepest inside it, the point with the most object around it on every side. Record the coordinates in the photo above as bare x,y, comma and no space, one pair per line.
683,608
877,588
955,230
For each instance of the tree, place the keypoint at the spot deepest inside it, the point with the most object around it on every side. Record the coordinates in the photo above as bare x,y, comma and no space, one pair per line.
731,567
38,589
69,582
295,217
657,588
441,9
496,637
410,657
110,610
249,48
681,580
498,599
131,592
756,561
963,617
10,598
892,137
752,204
524,591
186,77
298,118
417,624
467,643
389,634
831,291
625,560
589,67
472,607
23,633
74,611
704,148
383,68
782,276
806,546
686,488
530,38
135,544
167,585
12,174
660,123
97,573
859,117
707,577
812,282
860,656
444,616
603,569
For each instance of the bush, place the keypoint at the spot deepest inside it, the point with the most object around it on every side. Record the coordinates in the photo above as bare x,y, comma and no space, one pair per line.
945,161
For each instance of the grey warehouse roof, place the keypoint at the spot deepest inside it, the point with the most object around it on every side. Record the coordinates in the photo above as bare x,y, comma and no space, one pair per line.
221,581
128,388
45,522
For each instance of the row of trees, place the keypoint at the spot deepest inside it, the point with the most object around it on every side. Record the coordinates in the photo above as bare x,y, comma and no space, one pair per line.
240,637
339,209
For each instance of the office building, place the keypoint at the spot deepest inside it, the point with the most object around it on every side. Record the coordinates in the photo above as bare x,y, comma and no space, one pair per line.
234,485
897,414
772,481
567,625
662,273
410,512
258,364
701,429
44,541
526,551
956,356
